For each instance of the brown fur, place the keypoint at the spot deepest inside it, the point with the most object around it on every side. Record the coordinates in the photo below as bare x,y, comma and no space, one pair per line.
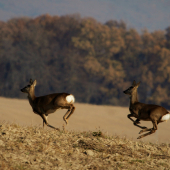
45,105
146,112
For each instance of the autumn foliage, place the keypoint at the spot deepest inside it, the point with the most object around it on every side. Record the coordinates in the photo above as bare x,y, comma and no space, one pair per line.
94,61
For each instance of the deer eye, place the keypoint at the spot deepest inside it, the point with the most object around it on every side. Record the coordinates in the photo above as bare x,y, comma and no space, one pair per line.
130,88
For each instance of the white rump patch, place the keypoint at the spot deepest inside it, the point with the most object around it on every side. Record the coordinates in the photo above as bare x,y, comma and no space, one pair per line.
166,117
70,98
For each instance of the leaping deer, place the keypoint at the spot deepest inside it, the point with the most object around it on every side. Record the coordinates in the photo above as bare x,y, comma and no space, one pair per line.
45,105
147,112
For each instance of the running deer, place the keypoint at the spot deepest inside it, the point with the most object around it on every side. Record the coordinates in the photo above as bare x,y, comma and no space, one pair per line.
147,112
45,105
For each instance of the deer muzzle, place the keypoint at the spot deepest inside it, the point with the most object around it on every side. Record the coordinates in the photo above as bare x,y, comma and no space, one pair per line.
22,90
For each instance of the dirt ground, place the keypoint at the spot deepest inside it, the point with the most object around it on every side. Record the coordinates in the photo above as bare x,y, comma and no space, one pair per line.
110,120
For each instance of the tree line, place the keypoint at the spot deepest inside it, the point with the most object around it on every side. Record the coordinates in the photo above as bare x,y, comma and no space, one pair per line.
92,60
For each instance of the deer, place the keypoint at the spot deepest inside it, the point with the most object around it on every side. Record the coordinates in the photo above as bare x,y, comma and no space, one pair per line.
48,104
146,112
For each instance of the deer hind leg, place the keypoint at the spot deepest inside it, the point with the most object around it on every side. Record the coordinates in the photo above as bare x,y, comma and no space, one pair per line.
152,130
65,116
72,110
145,130
68,113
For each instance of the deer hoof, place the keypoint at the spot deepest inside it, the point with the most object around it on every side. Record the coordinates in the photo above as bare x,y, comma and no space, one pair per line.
66,122
141,132
139,137
57,129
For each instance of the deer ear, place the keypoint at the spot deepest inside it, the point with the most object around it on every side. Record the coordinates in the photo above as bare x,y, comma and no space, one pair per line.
134,83
31,82
34,83
138,84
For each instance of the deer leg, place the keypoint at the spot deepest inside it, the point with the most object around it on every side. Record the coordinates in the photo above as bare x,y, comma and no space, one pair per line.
129,117
145,130
155,126
68,113
142,127
135,122
64,117
72,110
45,121
152,130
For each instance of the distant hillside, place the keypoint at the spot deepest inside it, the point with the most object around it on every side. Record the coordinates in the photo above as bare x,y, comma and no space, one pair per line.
93,61
150,14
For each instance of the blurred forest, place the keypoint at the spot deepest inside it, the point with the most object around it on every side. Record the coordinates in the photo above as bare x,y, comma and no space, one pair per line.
82,56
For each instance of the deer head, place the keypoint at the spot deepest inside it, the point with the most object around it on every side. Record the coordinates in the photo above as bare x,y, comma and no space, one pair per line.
30,87
132,88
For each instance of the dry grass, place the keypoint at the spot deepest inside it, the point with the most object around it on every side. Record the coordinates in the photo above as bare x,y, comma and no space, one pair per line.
34,148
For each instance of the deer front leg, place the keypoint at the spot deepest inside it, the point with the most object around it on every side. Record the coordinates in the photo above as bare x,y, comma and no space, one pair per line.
129,117
46,122
135,122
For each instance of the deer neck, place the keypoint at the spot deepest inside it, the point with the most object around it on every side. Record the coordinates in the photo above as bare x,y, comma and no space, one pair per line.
31,97
133,97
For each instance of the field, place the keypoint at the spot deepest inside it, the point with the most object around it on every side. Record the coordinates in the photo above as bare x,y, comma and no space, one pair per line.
110,120
97,137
